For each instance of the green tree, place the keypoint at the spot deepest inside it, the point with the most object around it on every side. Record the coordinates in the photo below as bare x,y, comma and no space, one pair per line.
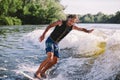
9,7
41,11
115,18
100,18
88,18
7,10
10,21
31,11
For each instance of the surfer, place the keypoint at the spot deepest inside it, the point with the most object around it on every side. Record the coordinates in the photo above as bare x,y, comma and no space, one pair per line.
62,28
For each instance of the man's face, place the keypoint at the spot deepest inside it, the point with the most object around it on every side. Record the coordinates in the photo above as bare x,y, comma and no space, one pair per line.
71,21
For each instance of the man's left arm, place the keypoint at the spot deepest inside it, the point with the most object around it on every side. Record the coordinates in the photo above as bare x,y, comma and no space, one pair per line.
82,29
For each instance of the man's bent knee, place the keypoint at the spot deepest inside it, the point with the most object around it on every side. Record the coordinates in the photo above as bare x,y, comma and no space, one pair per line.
55,60
51,58
50,55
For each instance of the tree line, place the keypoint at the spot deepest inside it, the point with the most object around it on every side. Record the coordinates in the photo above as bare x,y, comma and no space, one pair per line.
17,12
100,18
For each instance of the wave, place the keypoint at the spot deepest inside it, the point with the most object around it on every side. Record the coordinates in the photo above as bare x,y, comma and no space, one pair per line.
96,55
107,66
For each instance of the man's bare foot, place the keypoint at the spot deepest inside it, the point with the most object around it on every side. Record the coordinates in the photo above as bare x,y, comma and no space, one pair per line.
43,75
37,75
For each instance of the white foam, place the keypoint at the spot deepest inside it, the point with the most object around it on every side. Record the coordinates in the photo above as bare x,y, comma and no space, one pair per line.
59,77
105,66
27,67
82,41
2,69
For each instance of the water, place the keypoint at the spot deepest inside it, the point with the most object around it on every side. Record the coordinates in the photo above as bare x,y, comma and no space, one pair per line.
83,56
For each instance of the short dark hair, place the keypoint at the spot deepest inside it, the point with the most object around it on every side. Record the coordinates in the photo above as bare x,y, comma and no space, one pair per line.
72,16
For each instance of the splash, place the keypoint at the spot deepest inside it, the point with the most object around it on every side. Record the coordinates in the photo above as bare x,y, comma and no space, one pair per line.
107,66
97,54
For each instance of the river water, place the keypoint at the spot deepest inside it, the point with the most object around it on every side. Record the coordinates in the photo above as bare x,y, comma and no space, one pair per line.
83,56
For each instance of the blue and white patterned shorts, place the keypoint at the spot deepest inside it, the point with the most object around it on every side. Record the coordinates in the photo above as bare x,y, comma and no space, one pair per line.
51,46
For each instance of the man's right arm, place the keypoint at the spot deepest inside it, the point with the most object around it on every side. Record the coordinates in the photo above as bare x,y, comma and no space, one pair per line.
47,29
82,29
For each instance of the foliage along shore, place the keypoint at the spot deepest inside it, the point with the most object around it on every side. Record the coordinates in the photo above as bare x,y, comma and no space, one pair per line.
20,12
17,12
100,18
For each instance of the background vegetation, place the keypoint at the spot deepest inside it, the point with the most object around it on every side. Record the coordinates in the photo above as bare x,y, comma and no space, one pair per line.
17,12
14,12
100,18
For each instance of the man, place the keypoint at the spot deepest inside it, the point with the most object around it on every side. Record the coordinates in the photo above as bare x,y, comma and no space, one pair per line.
62,28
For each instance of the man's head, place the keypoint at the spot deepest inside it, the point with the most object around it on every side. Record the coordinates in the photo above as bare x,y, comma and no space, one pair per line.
71,16
71,19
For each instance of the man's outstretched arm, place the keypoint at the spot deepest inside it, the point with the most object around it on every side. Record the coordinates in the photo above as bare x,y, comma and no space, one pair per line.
82,29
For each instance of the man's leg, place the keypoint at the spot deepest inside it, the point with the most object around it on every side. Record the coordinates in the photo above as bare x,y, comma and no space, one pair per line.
50,56
53,60
41,66
50,64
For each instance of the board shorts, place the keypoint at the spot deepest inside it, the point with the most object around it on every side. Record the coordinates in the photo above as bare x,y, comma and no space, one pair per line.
51,46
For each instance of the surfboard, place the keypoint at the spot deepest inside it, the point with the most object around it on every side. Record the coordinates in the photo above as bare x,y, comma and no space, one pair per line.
30,77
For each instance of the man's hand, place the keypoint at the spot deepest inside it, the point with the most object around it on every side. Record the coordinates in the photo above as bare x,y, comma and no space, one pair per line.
41,38
89,31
